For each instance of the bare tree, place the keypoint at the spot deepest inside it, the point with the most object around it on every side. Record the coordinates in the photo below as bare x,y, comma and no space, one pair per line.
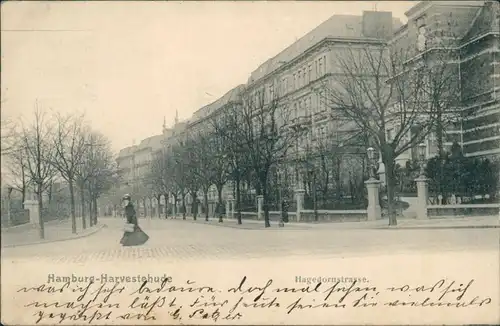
37,144
17,166
156,178
9,135
102,171
69,144
179,175
203,154
193,182
220,167
267,132
387,99
227,128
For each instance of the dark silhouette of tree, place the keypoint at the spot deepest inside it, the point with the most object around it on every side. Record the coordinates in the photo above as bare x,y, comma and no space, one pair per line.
38,146
392,99
267,133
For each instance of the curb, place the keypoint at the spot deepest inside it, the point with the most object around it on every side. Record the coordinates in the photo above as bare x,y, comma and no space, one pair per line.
29,225
429,227
97,229
226,225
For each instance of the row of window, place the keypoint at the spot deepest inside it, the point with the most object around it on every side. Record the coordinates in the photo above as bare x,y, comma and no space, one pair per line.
306,74
308,105
303,76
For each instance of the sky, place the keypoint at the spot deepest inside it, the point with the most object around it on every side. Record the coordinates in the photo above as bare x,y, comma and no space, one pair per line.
129,65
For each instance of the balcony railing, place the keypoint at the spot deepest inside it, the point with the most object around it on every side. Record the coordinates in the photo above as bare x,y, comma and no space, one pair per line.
320,116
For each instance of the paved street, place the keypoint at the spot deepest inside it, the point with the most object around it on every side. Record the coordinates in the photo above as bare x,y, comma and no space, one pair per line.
183,239
220,256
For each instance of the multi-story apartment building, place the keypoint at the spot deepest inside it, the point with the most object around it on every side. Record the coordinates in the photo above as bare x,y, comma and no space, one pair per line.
134,162
296,75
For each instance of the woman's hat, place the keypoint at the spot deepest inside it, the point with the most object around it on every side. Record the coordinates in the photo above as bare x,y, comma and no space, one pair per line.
126,197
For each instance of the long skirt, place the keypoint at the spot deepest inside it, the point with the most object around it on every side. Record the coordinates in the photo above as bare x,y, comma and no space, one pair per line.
136,238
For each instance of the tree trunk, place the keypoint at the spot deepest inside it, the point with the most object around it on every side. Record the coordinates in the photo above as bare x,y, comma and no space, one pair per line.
166,205
144,206
40,211
174,210
72,202
94,201
82,201
158,207
265,206
315,199
23,196
91,213
183,206
23,189
219,199
50,193
194,205
389,173
338,184
205,198
151,213
238,199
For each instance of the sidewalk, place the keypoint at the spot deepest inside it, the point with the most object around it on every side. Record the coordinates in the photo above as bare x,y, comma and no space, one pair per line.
469,222
54,231
246,224
403,223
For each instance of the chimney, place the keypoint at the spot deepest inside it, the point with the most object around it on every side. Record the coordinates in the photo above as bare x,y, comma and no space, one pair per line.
377,24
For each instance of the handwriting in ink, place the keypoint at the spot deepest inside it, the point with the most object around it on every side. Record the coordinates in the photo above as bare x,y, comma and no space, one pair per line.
348,290
242,289
164,288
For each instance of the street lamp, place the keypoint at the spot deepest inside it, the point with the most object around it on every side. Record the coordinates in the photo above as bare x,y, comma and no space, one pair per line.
421,154
370,151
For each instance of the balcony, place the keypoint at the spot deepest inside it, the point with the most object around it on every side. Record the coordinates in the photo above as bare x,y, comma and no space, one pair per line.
304,120
321,116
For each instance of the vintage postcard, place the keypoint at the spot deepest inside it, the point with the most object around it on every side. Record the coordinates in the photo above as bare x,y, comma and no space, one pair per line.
250,163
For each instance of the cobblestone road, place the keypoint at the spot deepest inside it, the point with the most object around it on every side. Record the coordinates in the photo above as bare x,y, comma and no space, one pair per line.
178,240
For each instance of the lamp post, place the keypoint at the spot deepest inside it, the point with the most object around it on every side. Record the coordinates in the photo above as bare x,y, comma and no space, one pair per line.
421,155
370,153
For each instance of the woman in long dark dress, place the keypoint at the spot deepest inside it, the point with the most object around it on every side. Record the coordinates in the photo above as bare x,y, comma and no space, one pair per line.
136,237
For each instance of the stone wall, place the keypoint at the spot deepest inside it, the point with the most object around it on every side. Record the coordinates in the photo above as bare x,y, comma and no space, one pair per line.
307,216
435,211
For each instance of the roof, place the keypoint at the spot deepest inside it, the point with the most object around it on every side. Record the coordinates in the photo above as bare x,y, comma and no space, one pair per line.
154,142
486,20
337,26
127,151
230,97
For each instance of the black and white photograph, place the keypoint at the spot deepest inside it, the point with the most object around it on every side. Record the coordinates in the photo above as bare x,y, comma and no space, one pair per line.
250,162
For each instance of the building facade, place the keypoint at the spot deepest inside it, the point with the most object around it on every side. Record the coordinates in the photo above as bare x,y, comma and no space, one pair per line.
468,33
468,29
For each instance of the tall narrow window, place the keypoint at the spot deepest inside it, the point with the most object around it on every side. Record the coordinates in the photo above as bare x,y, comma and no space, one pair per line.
310,74
320,66
309,105
294,81
324,65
